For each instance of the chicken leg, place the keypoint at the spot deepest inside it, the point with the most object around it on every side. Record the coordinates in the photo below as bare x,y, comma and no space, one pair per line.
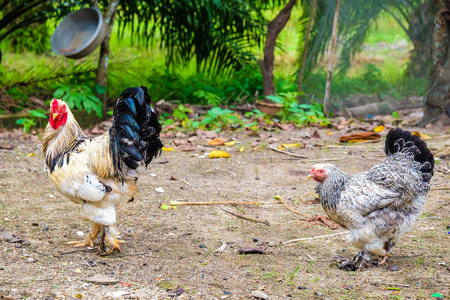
109,242
89,241
384,258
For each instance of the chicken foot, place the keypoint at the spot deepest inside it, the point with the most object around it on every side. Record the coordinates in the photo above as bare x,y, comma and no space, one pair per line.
384,258
353,264
109,242
89,241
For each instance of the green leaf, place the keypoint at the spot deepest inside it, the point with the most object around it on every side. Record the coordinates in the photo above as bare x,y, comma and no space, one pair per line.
100,89
277,99
37,114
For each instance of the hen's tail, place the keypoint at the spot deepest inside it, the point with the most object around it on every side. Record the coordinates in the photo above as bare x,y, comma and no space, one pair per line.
134,135
398,140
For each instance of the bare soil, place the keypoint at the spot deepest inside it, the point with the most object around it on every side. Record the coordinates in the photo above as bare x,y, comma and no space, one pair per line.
166,249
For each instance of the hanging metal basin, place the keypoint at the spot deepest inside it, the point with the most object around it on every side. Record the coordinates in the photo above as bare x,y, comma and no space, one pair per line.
79,33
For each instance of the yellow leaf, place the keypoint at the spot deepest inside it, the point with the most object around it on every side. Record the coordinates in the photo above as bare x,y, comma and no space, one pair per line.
421,135
290,145
242,149
216,142
379,128
167,149
218,153
183,123
280,147
31,154
232,143
79,296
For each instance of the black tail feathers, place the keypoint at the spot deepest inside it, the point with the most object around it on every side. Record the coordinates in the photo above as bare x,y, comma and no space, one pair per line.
135,131
398,140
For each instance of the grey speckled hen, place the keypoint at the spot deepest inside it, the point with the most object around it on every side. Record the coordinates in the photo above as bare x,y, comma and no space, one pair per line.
380,205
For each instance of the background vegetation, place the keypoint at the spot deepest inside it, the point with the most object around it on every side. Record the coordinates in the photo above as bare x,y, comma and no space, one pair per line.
188,62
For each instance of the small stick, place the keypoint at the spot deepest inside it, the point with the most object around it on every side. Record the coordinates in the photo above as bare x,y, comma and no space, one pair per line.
285,152
245,218
323,159
185,182
396,284
442,197
221,248
310,257
344,146
434,188
312,238
290,208
222,202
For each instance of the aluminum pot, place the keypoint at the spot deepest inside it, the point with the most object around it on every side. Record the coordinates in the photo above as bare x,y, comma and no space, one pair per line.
79,33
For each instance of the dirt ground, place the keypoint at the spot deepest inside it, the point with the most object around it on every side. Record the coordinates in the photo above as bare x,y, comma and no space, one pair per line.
170,251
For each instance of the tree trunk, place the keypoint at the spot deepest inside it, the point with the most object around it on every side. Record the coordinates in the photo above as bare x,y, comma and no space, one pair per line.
330,63
440,69
420,33
102,70
266,65
305,51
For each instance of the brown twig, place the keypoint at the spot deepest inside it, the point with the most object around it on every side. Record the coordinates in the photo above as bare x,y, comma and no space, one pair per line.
438,196
396,284
290,208
312,238
175,203
322,159
287,153
435,188
244,217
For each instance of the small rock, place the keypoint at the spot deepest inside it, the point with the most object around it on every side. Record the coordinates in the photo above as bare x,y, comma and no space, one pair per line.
393,268
80,233
2,268
255,240
118,294
101,279
30,260
259,295
91,263
319,294
302,287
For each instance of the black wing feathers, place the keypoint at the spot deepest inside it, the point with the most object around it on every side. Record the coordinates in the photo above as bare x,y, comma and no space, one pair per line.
135,131
398,140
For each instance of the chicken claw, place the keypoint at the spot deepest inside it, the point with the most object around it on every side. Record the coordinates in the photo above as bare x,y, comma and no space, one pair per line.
86,242
384,259
89,241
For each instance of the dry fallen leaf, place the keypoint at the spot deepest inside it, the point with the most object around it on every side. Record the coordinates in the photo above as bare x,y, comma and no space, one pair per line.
218,154
319,220
315,135
421,135
379,128
290,145
359,137
232,143
216,142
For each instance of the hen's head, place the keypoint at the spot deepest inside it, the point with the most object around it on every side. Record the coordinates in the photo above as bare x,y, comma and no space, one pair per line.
58,113
320,172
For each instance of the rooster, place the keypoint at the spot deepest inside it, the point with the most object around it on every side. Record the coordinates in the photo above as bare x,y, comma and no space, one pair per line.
101,173
380,205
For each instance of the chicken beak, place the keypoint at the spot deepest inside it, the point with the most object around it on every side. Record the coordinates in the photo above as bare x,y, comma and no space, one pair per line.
310,176
54,115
